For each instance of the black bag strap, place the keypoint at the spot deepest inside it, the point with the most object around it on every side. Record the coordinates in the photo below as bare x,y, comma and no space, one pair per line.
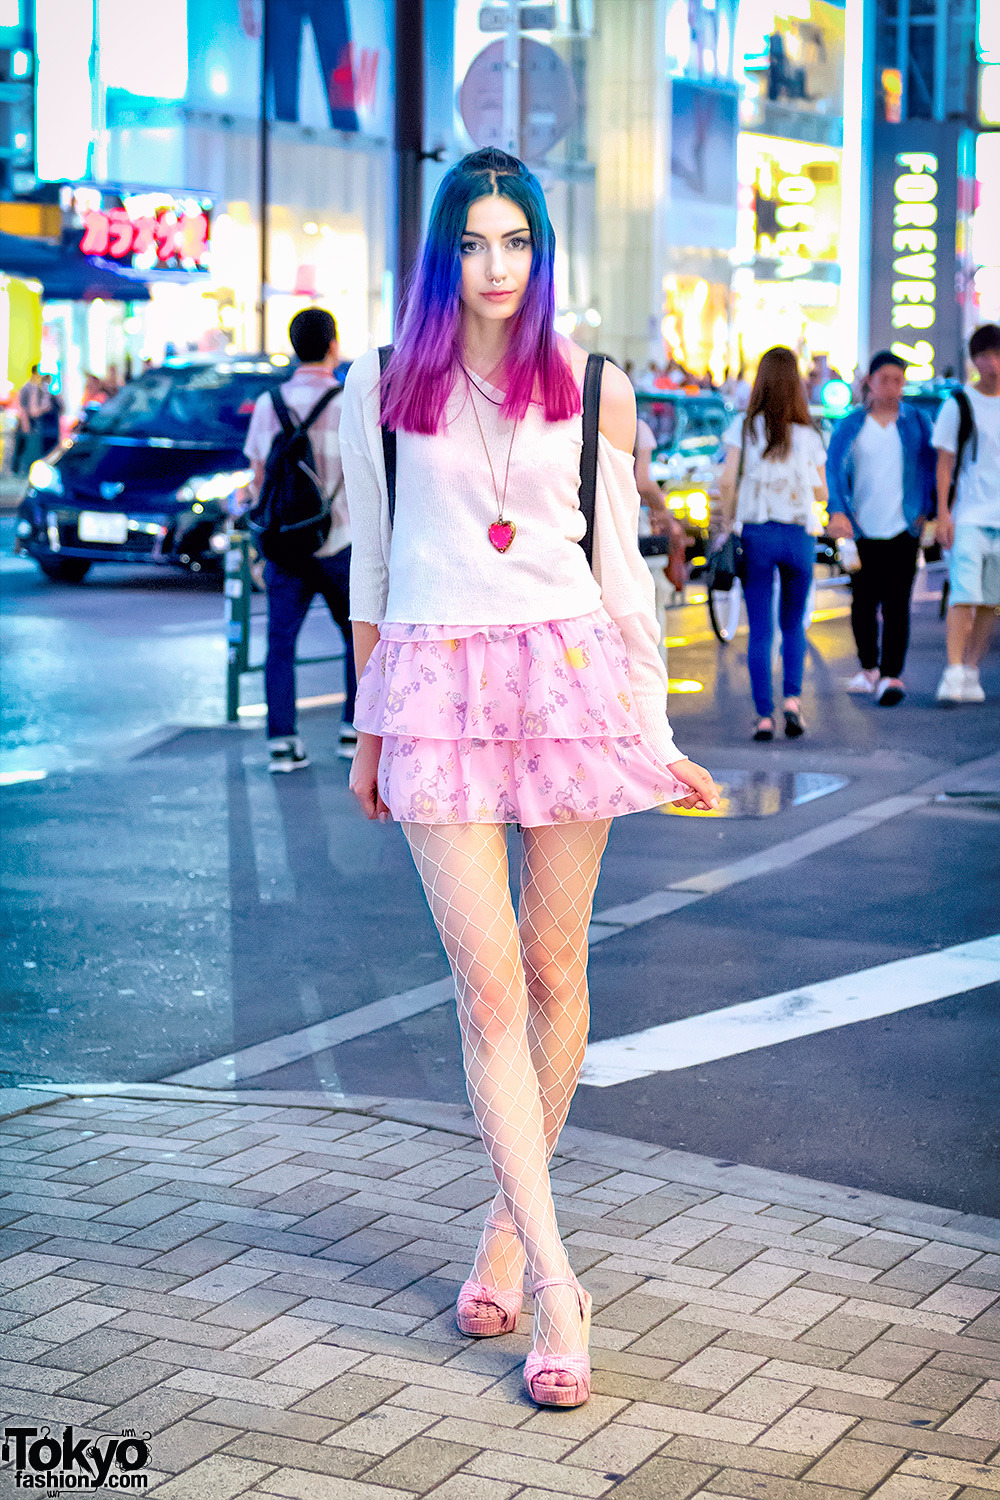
282,413
388,440
284,416
966,434
588,458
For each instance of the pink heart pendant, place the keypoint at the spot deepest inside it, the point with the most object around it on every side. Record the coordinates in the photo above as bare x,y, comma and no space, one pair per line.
501,534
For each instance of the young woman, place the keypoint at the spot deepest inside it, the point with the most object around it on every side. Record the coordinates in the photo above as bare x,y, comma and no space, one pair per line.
504,681
772,488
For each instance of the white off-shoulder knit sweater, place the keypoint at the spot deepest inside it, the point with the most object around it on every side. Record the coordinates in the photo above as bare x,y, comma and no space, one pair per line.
436,566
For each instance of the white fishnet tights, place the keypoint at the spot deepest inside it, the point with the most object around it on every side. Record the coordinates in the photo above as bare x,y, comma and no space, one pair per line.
521,989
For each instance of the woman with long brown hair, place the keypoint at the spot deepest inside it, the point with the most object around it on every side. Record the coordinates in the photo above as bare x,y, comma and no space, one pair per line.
772,489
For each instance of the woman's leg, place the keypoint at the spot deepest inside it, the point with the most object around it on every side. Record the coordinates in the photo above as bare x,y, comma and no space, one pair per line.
795,569
464,872
558,876
758,591
559,870
796,572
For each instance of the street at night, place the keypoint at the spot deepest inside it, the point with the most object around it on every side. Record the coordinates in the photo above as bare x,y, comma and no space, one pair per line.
500,749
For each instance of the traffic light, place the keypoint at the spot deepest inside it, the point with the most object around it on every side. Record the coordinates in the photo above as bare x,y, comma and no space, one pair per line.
17,122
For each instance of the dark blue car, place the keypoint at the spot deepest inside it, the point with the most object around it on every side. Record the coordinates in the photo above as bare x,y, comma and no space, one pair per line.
150,476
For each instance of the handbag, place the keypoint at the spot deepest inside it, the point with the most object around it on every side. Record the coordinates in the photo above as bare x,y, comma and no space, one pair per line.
724,565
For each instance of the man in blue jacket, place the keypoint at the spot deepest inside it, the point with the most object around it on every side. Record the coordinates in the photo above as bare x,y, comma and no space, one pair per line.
880,475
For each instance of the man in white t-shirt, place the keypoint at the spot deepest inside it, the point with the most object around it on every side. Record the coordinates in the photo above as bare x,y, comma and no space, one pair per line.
880,470
967,439
313,334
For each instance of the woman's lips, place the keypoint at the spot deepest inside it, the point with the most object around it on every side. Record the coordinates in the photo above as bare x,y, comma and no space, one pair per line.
496,296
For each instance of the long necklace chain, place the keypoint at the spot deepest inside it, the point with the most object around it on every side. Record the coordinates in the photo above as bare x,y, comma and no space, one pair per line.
501,500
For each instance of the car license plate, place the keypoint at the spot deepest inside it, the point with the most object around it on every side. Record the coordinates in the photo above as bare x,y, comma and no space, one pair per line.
101,526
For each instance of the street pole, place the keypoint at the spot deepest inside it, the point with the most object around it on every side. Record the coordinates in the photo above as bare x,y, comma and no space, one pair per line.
409,91
264,175
512,79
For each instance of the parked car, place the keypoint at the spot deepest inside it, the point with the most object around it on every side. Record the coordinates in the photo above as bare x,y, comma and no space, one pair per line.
151,475
687,459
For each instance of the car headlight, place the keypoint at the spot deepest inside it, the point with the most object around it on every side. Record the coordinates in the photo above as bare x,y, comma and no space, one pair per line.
215,486
43,476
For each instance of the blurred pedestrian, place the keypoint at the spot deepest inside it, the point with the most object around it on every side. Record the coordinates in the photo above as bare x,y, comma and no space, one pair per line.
661,522
967,439
51,417
290,591
771,490
880,472
34,401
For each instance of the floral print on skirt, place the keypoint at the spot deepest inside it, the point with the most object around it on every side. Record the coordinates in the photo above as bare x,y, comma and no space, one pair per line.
529,724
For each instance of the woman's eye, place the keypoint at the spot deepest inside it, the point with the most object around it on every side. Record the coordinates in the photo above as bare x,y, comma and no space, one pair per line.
469,247
521,243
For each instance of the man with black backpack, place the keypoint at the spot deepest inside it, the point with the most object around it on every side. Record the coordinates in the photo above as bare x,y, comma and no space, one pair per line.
299,523
967,439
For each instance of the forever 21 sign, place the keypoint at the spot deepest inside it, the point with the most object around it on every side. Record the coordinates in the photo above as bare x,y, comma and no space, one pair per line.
914,309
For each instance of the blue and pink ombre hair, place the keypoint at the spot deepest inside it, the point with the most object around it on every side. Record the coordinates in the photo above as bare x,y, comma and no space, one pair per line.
424,364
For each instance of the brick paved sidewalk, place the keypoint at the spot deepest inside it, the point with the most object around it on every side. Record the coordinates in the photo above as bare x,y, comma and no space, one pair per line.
265,1284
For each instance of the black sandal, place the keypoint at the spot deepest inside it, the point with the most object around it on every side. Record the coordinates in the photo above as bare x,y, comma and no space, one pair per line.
794,727
764,736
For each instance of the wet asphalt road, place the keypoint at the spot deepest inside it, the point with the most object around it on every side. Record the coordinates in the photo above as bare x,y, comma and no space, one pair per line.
168,902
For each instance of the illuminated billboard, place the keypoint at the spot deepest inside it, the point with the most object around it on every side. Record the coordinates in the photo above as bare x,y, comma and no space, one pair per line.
917,228
791,191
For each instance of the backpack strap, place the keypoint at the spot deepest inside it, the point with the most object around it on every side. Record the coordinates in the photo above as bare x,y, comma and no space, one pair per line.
588,458
282,413
290,426
320,407
388,440
966,434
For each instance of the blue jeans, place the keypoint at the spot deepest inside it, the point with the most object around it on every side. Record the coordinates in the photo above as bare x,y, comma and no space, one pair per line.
790,549
289,596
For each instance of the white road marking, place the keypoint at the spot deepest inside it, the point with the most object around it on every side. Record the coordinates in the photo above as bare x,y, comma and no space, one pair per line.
265,1057
881,991
275,881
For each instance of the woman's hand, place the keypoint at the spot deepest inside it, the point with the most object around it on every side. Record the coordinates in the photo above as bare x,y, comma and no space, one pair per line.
704,792
364,777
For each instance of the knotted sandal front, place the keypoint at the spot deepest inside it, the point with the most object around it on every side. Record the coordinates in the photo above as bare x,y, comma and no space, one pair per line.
545,1391
483,1311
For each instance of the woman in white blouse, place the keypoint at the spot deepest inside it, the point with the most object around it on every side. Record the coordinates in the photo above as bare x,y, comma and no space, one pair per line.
772,489
504,681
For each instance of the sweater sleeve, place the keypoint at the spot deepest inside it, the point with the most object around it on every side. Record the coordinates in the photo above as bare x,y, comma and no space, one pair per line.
367,498
629,596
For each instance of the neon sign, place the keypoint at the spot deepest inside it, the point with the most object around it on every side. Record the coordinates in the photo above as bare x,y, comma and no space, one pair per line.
181,239
914,291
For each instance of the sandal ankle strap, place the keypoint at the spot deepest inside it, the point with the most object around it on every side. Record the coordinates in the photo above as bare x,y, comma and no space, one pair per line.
536,1286
499,1224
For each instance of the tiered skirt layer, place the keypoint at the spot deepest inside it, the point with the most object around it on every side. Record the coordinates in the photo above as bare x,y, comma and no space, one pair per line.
529,724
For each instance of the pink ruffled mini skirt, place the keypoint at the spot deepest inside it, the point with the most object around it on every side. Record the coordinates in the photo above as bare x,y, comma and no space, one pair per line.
529,724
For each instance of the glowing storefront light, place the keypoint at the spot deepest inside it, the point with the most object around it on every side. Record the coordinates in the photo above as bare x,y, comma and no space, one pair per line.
914,291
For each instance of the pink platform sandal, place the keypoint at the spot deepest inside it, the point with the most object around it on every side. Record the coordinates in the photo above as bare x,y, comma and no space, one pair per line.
544,1392
484,1312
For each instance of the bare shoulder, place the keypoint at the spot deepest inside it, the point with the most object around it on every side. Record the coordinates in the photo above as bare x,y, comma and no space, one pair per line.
618,415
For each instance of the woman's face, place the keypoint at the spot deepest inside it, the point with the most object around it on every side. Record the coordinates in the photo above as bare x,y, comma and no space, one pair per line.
496,258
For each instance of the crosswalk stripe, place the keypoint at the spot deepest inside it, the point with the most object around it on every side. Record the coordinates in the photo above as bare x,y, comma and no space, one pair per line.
716,1034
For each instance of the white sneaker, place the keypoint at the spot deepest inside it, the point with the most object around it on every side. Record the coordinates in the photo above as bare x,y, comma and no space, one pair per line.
288,755
861,682
973,687
951,688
